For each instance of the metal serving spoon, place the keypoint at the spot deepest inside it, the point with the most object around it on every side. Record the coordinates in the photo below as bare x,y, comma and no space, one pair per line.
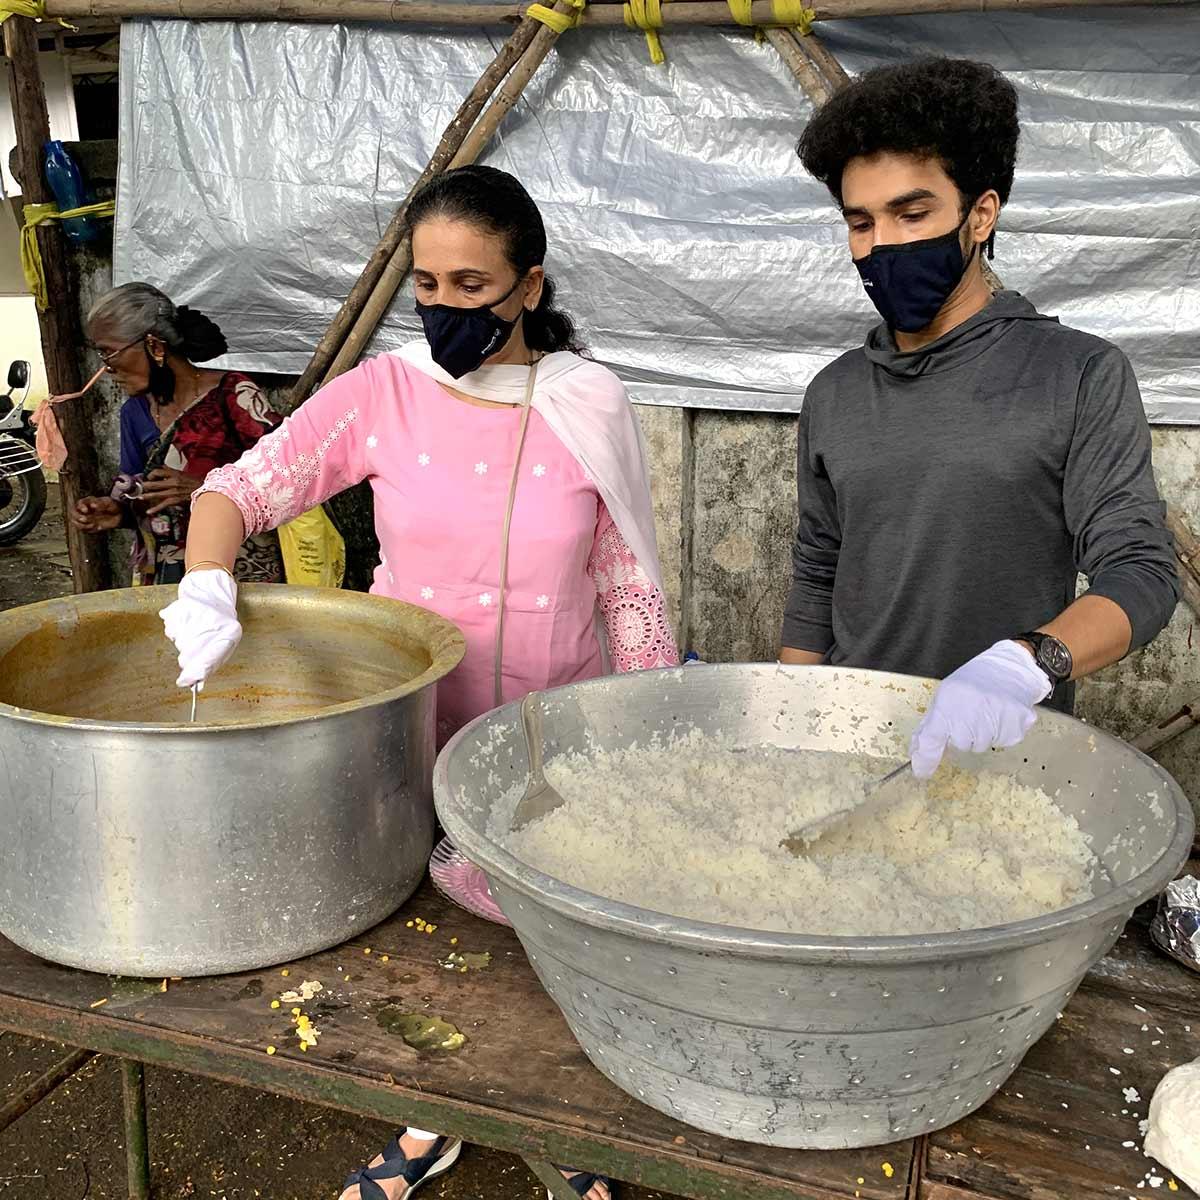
878,798
540,798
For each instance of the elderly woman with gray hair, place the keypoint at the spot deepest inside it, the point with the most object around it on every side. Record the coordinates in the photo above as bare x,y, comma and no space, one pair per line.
180,422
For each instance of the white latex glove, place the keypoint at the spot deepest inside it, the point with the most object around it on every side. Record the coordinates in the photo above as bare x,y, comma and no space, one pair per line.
989,701
203,624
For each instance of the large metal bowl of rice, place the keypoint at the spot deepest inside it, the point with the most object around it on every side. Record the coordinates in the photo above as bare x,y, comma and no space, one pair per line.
790,1038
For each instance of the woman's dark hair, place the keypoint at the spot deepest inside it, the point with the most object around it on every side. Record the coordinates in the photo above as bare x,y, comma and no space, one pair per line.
134,310
960,112
495,202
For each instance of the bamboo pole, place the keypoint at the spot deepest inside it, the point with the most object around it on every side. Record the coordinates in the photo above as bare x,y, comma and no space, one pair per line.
393,237
1187,551
1191,591
598,15
823,59
1187,545
59,324
815,86
400,262
41,1087
1168,729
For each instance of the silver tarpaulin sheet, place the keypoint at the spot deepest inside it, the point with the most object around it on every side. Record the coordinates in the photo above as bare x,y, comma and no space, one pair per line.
260,163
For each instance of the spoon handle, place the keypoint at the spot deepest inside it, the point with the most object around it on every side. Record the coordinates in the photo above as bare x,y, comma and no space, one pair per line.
531,720
875,785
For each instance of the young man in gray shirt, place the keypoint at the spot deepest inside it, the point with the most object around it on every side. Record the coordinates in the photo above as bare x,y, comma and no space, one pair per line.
960,468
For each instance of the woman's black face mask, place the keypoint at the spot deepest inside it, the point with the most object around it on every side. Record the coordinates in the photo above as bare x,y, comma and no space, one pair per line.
462,339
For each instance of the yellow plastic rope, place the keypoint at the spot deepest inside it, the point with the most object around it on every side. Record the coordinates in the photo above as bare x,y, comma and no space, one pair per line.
31,255
740,11
646,15
34,9
793,12
559,22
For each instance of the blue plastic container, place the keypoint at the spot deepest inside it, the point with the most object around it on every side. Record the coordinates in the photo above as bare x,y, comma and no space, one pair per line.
66,182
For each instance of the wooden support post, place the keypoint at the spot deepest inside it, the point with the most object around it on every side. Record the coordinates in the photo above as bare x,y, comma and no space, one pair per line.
1168,729
41,1087
1187,550
392,242
1187,545
815,85
1191,591
137,1141
814,66
823,59
59,324
397,268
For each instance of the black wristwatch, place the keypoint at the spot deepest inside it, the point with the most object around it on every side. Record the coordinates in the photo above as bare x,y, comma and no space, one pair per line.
1051,655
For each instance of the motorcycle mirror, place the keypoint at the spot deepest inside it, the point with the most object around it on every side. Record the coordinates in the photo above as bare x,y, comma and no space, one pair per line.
18,374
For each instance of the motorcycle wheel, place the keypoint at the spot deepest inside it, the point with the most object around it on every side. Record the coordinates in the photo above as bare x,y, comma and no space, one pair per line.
22,502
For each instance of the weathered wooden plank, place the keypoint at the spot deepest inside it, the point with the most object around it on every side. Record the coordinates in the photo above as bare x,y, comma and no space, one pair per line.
1063,1125
520,1083
932,1190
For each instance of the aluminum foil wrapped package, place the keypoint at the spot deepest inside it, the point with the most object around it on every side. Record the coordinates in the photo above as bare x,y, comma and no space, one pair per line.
1176,927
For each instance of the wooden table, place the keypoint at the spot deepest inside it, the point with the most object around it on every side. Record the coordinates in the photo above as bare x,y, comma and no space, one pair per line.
520,1083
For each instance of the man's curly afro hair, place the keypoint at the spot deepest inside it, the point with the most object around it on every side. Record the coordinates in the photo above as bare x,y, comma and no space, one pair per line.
960,112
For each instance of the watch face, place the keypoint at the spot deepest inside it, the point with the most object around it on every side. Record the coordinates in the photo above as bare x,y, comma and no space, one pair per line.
1056,657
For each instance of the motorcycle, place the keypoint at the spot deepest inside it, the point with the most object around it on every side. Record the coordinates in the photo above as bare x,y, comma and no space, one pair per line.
22,484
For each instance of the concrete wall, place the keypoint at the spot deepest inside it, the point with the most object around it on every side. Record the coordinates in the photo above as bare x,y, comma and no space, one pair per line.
1155,682
725,505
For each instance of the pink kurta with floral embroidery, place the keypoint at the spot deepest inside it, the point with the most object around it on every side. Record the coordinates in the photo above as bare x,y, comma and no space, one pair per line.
440,470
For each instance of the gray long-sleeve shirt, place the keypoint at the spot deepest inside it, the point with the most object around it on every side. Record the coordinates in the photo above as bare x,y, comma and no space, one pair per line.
948,496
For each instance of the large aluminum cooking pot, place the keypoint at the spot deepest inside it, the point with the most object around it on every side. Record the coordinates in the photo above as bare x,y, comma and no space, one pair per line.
296,813
791,1039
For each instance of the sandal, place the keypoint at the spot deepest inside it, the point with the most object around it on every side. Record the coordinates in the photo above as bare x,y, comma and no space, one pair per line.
443,1154
580,1183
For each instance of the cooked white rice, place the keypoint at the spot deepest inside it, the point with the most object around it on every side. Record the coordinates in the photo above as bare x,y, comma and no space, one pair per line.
695,830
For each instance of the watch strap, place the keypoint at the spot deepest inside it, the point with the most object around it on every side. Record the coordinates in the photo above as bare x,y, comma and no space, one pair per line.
1037,640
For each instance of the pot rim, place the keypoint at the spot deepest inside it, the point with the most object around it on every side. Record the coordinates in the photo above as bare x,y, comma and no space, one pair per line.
446,647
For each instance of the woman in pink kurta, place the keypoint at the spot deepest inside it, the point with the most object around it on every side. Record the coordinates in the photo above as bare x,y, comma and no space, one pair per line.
440,470
442,431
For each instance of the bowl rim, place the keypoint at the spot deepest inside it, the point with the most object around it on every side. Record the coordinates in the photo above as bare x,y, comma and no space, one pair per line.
617,916
446,647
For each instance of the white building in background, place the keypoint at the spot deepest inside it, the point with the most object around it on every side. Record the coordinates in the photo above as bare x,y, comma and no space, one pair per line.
19,336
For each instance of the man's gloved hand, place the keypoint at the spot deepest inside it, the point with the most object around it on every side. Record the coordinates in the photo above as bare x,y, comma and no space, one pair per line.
203,624
989,701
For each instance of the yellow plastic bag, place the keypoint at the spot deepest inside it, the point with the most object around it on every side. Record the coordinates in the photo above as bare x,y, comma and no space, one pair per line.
314,553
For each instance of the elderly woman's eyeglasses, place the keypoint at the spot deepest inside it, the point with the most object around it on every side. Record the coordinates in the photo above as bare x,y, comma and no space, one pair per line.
108,357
